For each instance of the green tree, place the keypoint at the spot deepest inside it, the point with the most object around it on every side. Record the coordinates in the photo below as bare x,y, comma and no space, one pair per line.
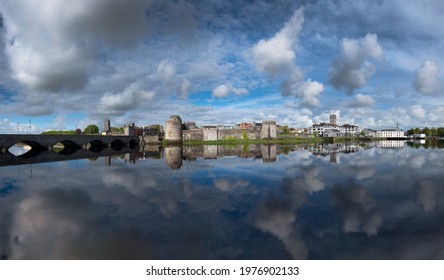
426,131
91,129
285,129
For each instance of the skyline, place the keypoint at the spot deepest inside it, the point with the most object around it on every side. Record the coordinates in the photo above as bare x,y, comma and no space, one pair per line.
66,65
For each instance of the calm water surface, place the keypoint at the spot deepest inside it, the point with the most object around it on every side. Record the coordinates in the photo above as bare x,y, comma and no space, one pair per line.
375,201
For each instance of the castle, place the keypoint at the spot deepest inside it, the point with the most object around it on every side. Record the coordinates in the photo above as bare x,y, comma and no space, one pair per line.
176,132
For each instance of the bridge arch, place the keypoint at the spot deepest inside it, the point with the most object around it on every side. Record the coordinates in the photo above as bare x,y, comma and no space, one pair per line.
26,149
117,144
65,147
95,146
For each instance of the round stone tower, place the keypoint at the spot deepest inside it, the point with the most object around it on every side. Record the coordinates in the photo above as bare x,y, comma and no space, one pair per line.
173,129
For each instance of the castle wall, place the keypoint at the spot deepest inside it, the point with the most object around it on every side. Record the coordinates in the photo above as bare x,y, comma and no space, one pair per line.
226,134
209,134
192,135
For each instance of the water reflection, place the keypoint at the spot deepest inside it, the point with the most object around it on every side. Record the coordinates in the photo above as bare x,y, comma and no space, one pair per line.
374,201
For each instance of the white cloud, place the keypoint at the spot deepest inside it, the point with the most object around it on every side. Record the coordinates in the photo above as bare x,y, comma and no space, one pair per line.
185,88
417,111
276,57
426,78
352,68
224,90
220,91
309,91
125,100
166,70
360,101
52,46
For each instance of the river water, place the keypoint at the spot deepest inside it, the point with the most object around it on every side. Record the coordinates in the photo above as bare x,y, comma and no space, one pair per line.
379,200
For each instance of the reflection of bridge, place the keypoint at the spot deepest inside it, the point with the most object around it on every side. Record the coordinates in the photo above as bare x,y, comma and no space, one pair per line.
47,156
73,141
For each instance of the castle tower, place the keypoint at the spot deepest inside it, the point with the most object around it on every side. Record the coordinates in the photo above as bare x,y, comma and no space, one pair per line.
333,119
173,129
107,125
268,130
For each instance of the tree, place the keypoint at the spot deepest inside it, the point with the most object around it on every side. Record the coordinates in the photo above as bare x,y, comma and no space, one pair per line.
285,129
91,129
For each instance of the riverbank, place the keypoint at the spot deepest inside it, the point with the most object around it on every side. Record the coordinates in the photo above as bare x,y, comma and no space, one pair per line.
279,141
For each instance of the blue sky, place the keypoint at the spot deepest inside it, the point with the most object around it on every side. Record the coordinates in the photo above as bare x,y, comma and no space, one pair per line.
67,64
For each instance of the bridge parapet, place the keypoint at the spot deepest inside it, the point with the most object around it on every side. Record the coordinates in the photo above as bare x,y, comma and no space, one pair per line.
48,141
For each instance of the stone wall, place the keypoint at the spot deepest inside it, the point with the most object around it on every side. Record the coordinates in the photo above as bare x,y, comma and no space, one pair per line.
239,134
209,134
192,135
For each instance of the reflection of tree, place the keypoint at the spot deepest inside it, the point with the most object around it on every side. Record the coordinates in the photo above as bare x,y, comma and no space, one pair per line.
357,208
277,216
426,194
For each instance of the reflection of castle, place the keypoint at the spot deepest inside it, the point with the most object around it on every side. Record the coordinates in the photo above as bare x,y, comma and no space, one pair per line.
175,154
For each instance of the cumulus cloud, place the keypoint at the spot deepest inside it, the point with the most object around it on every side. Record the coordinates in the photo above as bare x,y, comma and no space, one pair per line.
360,101
166,70
277,216
417,111
52,46
426,194
357,207
352,67
184,89
132,96
276,57
224,90
427,78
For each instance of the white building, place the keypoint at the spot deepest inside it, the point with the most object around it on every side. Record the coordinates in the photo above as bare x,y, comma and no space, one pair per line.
390,133
345,129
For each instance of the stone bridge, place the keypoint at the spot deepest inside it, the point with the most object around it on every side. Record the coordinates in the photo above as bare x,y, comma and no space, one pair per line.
73,141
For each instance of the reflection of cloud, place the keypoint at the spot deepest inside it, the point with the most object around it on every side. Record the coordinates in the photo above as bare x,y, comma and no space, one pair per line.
417,161
363,172
357,208
225,185
47,224
426,194
309,181
277,216
128,179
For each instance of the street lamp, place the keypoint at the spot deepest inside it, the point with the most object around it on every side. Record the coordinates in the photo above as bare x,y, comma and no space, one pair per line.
29,126
18,128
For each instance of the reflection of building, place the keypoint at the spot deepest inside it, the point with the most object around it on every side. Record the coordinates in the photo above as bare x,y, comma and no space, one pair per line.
390,144
173,156
268,153
329,149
